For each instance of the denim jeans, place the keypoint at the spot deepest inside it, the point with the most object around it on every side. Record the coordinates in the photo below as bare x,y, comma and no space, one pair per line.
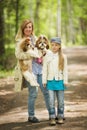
33,91
59,94
44,91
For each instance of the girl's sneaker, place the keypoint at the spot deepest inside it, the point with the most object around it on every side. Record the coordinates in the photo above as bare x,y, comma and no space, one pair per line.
60,121
56,118
52,121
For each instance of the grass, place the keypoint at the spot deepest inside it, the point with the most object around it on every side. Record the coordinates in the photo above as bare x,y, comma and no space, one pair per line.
5,73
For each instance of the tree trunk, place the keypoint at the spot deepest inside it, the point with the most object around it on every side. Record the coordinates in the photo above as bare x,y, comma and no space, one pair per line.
31,11
2,49
17,13
59,19
38,3
70,26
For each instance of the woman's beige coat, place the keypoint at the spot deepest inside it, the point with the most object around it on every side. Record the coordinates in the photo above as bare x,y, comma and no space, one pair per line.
18,78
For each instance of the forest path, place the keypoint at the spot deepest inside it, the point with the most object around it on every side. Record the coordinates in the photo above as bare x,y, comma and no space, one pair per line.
13,106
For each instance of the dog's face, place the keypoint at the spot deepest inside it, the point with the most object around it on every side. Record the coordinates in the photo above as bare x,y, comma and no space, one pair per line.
26,45
42,43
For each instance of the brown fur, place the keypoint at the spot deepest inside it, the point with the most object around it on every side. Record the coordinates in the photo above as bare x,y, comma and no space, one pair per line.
42,39
24,47
23,66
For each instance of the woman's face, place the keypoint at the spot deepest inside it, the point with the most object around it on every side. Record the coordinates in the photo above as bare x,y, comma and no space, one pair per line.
28,29
55,47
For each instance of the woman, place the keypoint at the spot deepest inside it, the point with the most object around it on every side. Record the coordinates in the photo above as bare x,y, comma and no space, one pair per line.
26,33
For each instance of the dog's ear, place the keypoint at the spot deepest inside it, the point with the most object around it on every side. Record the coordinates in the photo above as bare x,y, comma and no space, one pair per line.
36,45
47,42
37,41
47,47
23,46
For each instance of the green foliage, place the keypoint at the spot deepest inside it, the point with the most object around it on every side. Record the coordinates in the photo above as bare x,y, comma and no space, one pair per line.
5,73
74,21
44,15
8,60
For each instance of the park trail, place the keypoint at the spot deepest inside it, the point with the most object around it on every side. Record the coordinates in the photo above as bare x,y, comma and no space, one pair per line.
13,106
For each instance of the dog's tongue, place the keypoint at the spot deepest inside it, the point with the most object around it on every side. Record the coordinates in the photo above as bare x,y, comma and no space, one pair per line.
39,60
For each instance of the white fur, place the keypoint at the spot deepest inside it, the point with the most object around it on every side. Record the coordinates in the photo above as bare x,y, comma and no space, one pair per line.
28,75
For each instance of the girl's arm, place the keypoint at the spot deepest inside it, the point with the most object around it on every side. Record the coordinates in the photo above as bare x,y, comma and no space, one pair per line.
44,72
65,71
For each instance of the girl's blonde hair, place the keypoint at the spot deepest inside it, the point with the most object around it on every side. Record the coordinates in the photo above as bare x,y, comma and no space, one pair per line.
61,59
20,33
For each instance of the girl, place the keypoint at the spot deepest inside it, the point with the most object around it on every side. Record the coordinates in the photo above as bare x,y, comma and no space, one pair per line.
55,79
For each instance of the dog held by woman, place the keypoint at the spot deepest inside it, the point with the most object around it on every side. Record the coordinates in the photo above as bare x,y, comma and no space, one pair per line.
26,65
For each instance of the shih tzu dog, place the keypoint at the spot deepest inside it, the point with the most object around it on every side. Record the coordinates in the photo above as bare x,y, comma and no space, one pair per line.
42,45
26,65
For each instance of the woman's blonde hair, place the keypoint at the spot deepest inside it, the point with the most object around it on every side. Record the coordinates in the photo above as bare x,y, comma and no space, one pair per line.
61,59
20,33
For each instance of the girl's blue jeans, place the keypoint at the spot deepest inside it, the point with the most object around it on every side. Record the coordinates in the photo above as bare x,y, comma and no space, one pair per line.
59,94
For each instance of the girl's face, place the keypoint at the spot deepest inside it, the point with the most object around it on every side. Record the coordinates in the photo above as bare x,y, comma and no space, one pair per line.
28,29
55,47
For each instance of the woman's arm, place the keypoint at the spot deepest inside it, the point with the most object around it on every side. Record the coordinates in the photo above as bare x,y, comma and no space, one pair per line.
44,72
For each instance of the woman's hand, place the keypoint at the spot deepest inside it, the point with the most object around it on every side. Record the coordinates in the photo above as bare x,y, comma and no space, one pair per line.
27,39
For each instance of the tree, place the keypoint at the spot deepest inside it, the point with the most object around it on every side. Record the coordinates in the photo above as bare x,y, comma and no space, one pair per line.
17,13
2,49
59,19
36,16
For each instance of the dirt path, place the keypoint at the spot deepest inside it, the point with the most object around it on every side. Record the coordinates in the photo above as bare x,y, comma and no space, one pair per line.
13,106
